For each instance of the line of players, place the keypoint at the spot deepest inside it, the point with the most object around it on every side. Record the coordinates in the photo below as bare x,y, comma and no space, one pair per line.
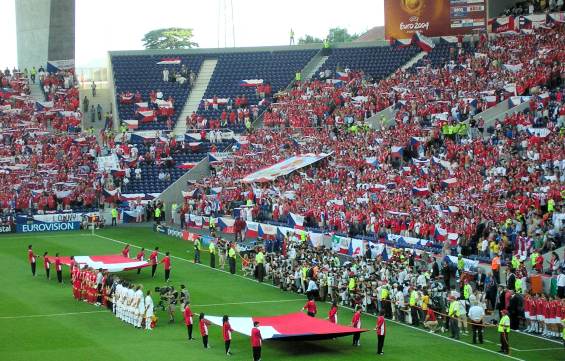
131,306
544,315
126,300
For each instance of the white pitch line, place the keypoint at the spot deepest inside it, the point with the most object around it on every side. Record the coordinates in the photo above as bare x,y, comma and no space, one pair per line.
35,235
543,349
50,315
512,348
536,336
243,303
368,314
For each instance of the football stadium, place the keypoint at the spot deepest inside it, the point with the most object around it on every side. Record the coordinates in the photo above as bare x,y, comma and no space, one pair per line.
203,180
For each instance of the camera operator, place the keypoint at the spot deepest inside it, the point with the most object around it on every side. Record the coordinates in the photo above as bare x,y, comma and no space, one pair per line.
184,295
171,297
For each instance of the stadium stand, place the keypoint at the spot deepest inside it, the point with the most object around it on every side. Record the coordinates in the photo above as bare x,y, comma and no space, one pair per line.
47,162
377,62
441,178
144,74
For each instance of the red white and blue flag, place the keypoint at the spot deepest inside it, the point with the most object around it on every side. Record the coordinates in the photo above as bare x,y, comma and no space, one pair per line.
425,43
251,82
169,61
291,327
110,263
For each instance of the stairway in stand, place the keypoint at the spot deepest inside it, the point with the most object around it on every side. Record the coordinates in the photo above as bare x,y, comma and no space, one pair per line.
196,94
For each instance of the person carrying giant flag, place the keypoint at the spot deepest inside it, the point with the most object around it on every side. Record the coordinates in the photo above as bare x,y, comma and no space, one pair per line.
256,341
356,322
153,261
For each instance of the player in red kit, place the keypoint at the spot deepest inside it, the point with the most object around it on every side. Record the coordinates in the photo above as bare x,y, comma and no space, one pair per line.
166,261
32,258
140,257
204,323
75,276
187,313
256,341
356,322
310,308
226,331
153,261
332,315
125,251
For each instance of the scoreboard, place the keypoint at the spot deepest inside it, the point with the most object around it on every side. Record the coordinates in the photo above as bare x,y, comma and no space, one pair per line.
403,18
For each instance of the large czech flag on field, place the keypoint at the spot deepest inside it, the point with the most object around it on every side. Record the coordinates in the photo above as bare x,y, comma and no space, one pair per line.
291,327
110,263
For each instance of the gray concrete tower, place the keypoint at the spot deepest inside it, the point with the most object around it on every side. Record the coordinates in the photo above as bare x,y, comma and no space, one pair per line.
45,31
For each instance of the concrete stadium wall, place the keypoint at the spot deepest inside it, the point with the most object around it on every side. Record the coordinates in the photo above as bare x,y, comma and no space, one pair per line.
32,24
217,51
45,31
173,193
62,30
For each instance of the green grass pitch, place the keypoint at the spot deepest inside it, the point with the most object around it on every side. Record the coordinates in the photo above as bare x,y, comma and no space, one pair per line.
40,320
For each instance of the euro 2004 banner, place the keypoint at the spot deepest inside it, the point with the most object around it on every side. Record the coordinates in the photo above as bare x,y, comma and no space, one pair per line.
404,18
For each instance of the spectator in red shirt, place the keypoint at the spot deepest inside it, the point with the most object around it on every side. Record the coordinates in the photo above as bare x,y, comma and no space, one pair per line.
256,341
227,330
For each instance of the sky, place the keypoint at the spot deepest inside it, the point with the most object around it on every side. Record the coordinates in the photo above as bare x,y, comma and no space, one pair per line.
103,25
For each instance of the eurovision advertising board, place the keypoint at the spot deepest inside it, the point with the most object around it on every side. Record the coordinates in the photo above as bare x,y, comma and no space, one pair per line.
50,222
404,18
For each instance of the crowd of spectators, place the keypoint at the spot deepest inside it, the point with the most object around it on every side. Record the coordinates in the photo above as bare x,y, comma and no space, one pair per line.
497,184
533,7
46,162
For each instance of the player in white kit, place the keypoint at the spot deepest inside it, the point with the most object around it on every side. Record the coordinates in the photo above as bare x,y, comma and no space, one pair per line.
148,310
131,308
139,306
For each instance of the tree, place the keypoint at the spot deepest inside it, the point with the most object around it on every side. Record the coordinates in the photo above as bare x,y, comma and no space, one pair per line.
335,35
340,35
171,38
309,39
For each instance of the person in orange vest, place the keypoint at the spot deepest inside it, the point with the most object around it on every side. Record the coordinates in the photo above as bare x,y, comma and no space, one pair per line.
495,266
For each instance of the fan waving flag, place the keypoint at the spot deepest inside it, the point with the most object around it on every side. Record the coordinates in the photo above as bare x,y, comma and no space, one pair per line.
291,327
110,263
251,82
425,43
169,61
